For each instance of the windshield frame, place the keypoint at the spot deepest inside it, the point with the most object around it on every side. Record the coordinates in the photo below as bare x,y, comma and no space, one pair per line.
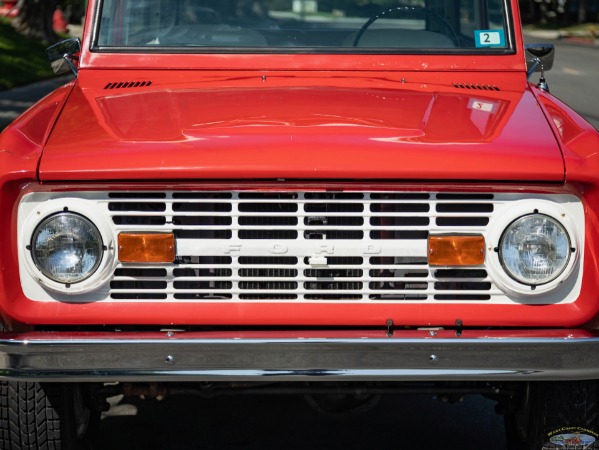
511,45
364,65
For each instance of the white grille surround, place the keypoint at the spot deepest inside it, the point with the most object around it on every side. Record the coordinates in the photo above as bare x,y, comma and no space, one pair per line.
302,246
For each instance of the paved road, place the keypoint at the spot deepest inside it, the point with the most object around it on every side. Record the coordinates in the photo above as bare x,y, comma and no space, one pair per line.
574,78
15,101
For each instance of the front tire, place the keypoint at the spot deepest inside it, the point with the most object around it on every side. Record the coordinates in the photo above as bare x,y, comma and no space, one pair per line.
37,416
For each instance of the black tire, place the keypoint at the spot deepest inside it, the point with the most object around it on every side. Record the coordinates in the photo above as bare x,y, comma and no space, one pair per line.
557,410
35,416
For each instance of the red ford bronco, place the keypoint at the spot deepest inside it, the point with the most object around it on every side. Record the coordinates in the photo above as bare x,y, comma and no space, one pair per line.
326,196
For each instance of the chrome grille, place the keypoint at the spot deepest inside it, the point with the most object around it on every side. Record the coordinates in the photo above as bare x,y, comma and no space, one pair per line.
301,246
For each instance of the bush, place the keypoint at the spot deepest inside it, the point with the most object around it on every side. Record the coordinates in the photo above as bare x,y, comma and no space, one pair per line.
22,60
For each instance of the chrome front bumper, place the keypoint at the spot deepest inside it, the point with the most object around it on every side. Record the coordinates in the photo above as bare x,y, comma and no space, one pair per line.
299,356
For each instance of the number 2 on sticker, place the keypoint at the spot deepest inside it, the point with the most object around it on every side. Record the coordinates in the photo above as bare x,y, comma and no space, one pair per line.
490,38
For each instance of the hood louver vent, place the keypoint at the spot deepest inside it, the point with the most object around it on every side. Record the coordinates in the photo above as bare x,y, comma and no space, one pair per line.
127,84
479,87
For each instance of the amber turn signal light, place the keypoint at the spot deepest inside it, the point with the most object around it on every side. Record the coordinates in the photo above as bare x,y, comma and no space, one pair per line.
146,248
456,250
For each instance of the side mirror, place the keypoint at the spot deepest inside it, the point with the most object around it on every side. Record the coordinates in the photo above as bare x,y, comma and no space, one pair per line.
62,54
539,57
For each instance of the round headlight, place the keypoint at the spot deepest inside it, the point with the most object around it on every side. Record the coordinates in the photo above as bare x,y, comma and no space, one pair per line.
534,249
67,248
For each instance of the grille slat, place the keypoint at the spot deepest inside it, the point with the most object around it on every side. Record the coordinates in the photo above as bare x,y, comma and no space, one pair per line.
301,246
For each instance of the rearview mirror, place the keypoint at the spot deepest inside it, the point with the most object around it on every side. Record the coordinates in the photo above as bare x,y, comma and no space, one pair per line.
62,54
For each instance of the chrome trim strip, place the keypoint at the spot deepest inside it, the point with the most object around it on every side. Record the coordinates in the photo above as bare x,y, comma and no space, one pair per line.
178,357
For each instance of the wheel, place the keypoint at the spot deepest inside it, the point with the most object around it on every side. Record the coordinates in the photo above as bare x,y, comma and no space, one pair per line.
556,415
37,416
410,11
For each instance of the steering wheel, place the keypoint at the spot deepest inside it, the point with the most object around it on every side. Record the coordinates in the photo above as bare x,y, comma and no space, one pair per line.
410,10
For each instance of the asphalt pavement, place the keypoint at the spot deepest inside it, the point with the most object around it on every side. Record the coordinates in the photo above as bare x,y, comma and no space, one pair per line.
14,102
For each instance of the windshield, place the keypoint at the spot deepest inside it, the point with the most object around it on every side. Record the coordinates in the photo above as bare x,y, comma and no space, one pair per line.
287,26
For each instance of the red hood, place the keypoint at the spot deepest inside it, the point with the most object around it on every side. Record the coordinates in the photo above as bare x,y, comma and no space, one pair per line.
228,129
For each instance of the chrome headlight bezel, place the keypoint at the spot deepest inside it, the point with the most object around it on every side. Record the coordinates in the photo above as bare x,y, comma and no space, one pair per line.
47,211
501,274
